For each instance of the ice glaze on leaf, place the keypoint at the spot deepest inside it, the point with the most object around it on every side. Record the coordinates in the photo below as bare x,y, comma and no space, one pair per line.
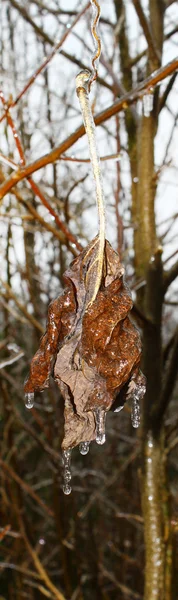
92,350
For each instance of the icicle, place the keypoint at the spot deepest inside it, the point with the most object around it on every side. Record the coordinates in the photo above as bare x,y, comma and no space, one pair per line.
147,104
29,400
135,412
100,418
84,448
66,459
118,409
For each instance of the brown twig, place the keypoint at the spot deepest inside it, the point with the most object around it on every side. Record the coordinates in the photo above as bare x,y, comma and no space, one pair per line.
21,307
38,564
146,28
25,486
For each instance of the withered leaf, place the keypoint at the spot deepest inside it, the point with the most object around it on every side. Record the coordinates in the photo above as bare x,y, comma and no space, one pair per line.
92,350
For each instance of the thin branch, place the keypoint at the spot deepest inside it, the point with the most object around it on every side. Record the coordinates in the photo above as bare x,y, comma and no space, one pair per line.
39,567
167,90
11,360
21,307
22,10
25,486
170,276
36,190
170,379
146,28
112,110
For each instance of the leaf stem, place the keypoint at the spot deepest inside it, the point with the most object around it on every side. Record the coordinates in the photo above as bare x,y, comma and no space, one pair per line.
82,88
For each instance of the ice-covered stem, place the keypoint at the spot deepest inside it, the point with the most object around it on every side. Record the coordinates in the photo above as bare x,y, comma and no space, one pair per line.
96,15
153,518
82,88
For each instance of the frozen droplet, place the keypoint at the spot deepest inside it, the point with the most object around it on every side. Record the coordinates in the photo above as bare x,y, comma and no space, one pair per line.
147,104
135,179
84,448
68,475
100,418
150,498
152,259
29,400
66,460
119,408
66,488
42,541
135,412
150,444
68,25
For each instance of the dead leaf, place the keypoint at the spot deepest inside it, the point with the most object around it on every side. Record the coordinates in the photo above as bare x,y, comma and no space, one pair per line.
92,350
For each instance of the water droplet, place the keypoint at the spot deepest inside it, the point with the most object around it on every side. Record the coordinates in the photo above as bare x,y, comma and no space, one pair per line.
147,104
149,460
66,488
29,400
68,25
118,409
66,460
84,448
135,413
42,541
150,498
100,418
158,563
135,179
150,444
68,475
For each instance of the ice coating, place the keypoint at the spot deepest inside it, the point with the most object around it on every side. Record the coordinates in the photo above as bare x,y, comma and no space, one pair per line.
100,418
66,460
29,400
84,448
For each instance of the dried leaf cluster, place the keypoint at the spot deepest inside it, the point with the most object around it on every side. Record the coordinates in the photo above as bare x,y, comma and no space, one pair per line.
92,350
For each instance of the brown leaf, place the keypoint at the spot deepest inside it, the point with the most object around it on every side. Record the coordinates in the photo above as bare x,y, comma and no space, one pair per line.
92,350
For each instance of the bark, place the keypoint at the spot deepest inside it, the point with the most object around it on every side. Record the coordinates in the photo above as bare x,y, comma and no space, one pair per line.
148,265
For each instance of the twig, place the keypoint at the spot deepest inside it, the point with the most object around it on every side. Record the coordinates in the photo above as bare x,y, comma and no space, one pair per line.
127,100
25,486
34,186
39,567
146,28
82,87
21,307
169,276
96,12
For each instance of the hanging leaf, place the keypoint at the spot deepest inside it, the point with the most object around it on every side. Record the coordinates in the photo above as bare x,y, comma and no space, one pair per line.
92,350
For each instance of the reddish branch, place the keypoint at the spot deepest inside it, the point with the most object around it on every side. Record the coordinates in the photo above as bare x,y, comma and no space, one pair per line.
115,108
55,49
70,237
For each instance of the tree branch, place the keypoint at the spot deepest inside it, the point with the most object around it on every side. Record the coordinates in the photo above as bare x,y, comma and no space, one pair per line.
170,276
106,114
170,380
42,34
146,28
167,90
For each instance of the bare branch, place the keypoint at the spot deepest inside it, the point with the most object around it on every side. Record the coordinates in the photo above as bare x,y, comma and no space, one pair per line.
170,276
146,28
115,108
170,379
